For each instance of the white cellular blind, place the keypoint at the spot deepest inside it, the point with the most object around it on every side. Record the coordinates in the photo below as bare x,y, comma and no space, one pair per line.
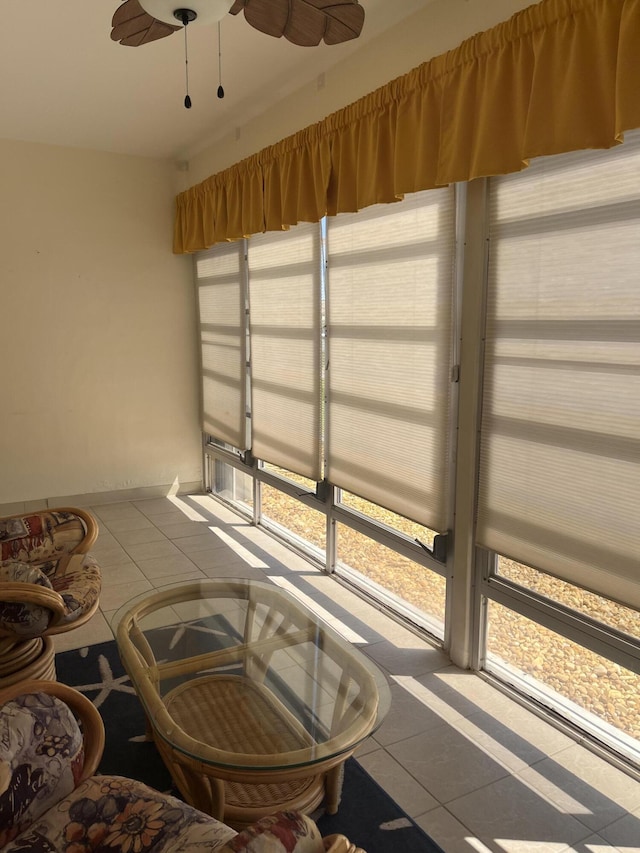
221,300
390,309
560,443
285,330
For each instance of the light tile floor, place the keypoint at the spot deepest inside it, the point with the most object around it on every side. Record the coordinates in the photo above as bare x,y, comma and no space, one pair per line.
480,773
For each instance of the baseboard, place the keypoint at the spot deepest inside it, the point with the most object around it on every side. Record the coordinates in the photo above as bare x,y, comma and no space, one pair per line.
98,498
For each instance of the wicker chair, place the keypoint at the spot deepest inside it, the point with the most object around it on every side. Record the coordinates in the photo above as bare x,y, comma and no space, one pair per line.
51,741
48,584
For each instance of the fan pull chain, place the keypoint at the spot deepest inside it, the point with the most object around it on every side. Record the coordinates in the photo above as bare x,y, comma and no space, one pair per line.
187,99
220,89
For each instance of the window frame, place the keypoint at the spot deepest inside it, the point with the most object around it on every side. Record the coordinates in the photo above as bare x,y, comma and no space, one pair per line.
470,571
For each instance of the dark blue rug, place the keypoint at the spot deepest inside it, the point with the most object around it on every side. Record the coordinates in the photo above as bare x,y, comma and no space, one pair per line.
367,815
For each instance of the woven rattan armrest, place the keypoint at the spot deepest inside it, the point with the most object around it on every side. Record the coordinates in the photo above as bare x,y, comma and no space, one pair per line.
34,595
90,526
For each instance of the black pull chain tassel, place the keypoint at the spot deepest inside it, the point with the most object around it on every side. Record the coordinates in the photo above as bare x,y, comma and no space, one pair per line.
187,99
220,89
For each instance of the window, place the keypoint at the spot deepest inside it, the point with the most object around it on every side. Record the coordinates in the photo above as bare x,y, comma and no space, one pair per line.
285,330
559,474
221,303
560,436
389,336
356,438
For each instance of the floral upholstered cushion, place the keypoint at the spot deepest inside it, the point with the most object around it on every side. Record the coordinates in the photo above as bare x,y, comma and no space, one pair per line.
41,759
40,539
110,814
79,584
284,832
28,619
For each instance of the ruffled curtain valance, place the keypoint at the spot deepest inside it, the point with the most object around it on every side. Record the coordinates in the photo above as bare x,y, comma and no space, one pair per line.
560,76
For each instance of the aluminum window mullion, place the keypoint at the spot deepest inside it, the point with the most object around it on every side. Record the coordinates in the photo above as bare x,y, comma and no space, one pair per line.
485,564
332,531
465,613
456,327
331,493
247,303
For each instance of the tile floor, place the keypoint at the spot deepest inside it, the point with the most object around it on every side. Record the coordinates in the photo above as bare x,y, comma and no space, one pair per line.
480,773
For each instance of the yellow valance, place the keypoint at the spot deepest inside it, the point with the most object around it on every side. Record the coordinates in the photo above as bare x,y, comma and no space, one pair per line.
559,76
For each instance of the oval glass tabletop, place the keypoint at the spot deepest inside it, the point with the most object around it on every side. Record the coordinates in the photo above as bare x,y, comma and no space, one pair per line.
240,674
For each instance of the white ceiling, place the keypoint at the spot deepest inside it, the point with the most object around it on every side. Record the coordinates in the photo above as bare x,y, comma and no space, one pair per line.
65,82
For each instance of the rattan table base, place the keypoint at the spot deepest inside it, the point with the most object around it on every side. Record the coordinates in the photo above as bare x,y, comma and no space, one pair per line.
237,712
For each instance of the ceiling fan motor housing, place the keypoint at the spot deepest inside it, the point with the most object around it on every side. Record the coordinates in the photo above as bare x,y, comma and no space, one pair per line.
204,11
185,16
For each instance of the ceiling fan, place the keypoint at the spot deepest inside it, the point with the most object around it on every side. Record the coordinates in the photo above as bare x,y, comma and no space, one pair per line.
302,22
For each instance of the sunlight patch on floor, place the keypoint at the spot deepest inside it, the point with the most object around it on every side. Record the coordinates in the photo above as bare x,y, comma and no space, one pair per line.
183,506
238,549
477,845
522,845
560,800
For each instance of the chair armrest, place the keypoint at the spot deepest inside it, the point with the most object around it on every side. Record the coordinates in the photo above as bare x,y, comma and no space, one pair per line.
79,580
292,831
90,525
82,708
31,595
42,751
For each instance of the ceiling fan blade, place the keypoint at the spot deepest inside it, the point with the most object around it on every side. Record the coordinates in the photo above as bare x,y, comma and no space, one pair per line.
132,26
304,22
268,17
345,22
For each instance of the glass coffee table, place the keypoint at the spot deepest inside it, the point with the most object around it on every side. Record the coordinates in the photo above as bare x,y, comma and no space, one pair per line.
253,701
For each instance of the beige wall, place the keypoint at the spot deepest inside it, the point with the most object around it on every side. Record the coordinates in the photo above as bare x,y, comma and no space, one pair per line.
98,353
97,347
439,27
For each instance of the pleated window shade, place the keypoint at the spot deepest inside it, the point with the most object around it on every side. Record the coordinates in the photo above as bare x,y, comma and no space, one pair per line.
285,328
390,311
221,300
559,484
